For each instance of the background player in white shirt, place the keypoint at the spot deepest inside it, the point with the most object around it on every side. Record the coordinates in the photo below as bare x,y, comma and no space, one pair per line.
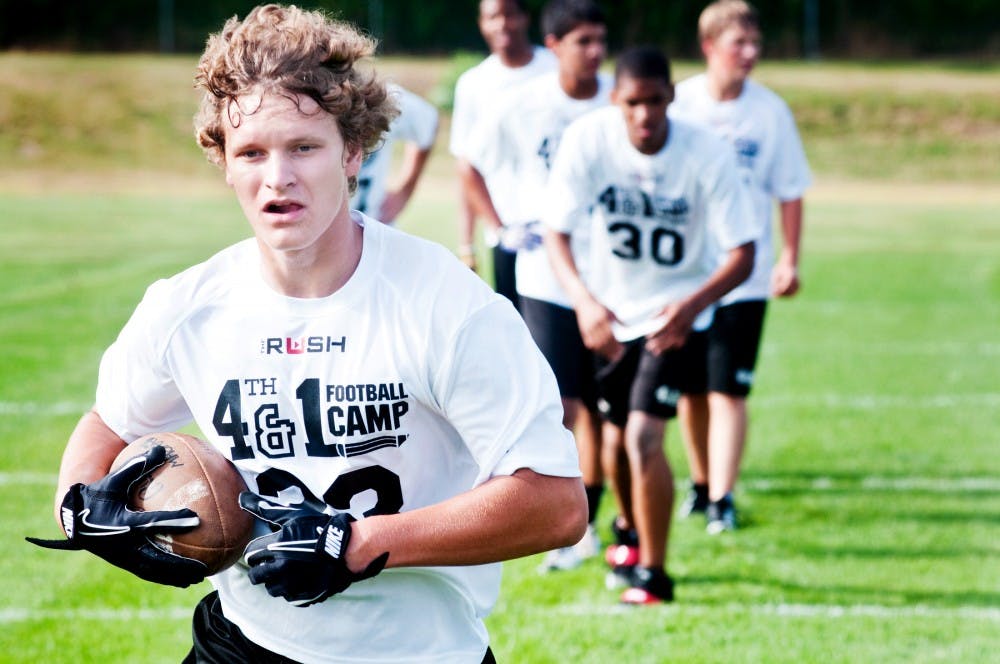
347,369
760,128
512,61
658,197
523,137
415,127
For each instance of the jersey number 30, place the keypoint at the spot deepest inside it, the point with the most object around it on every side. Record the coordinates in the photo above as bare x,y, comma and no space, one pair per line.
665,245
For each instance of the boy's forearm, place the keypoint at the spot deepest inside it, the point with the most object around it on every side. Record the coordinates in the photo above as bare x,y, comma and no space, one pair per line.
791,229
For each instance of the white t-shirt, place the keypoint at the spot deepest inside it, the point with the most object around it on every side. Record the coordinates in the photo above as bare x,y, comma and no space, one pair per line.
386,395
523,137
477,95
760,126
652,218
416,123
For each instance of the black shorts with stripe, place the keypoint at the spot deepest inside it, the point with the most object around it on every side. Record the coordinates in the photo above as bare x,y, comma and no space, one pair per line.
733,346
641,381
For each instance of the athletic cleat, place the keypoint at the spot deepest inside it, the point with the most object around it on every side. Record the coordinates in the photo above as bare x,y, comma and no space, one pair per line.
628,536
720,516
590,545
649,586
695,502
560,559
621,555
622,559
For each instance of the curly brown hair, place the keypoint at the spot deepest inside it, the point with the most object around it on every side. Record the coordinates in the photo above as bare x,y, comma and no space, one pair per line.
290,51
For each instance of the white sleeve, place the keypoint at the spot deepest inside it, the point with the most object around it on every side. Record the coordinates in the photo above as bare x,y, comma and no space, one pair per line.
790,175
490,145
730,210
499,393
570,192
417,121
136,393
462,116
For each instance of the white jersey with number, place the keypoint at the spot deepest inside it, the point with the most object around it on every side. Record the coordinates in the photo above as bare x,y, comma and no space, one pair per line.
759,126
478,92
523,137
416,123
383,397
653,218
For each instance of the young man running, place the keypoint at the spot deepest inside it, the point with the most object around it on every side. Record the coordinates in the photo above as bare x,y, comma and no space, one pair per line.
657,198
390,506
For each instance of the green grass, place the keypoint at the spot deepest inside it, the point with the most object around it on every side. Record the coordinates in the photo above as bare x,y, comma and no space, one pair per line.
870,486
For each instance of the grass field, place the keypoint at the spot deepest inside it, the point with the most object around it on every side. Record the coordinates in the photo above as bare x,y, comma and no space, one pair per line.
871,487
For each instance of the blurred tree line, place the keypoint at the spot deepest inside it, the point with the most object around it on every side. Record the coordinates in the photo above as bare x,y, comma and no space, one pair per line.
840,28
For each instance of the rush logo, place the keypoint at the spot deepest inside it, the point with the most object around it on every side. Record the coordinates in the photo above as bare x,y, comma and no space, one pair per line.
301,345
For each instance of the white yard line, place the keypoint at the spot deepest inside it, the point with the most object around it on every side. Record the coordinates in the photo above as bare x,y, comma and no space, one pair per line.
878,401
764,484
759,483
904,348
13,614
34,408
990,614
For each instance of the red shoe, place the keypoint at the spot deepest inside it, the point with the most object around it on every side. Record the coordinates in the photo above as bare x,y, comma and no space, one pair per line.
649,586
622,559
621,555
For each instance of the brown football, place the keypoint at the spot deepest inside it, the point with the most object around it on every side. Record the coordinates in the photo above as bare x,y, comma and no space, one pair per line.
196,476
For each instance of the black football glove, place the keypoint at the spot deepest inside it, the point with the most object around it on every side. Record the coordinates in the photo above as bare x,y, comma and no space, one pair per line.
96,517
302,561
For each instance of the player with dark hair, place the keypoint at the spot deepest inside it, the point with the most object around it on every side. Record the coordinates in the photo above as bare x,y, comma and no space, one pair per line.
761,130
560,17
521,138
415,127
658,197
347,369
512,61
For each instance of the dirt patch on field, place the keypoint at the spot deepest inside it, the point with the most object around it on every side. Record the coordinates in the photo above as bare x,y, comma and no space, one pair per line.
138,183
917,193
859,78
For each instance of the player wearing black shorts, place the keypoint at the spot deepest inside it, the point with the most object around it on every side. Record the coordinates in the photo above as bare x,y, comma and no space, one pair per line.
760,129
519,140
655,211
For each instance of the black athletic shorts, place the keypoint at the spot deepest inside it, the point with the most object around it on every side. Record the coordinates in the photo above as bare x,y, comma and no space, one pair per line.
219,641
733,345
503,275
650,383
557,335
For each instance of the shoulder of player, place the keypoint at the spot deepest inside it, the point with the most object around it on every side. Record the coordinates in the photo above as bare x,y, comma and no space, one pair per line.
177,298
533,93
596,131
697,142
690,85
544,57
764,96
424,275
689,91
476,74
597,121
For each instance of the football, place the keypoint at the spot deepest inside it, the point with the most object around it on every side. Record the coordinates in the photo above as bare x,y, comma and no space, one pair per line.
198,477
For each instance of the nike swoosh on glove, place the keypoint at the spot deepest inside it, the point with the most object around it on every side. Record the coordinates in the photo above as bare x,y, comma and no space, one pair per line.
302,561
97,518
